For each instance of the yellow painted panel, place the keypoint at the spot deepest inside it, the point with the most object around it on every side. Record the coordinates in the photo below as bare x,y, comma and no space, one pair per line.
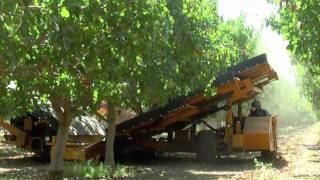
71,153
74,154
237,141
255,125
256,141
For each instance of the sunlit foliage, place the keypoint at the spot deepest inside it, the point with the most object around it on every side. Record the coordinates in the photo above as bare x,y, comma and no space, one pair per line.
298,22
134,53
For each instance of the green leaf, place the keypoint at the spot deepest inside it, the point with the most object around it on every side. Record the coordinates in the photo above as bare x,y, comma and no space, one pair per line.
64,12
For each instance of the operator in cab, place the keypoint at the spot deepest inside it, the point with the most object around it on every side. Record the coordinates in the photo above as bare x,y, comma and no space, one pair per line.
257,110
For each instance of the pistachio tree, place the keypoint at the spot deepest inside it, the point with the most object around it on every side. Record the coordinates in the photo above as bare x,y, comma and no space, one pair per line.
298,22
72,55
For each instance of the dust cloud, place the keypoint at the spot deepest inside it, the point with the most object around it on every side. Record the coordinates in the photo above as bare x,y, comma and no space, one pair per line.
284,97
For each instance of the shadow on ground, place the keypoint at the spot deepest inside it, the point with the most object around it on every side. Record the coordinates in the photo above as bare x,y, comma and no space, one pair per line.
23,165
185,166
16,163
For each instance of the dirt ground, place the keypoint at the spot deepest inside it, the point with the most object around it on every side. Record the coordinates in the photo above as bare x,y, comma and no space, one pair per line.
299,159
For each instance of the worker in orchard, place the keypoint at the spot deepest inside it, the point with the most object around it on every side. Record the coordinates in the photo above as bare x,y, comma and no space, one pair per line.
257,110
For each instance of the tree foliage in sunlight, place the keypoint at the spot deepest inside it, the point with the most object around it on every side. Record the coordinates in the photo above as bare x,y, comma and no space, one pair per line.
298,22
135,54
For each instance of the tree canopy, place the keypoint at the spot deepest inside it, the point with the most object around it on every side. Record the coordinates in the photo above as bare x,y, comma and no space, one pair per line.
298,22
136,54
112,49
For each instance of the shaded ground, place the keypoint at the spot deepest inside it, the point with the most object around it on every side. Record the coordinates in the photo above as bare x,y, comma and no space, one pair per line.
299,150
18,164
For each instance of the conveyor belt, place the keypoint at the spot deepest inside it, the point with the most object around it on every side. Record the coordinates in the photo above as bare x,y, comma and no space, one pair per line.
235,71
151,117
156,114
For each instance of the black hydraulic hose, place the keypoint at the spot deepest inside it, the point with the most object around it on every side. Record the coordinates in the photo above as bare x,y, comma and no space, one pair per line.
208,125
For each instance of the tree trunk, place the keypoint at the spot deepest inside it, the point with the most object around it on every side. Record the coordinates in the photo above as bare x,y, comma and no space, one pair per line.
109,153
65,118
56,165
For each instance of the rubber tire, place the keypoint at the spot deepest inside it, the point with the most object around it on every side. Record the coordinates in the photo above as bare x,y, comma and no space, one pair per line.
268,156
207,148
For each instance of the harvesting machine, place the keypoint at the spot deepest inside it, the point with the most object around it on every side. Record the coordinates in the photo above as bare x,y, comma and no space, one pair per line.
175,126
